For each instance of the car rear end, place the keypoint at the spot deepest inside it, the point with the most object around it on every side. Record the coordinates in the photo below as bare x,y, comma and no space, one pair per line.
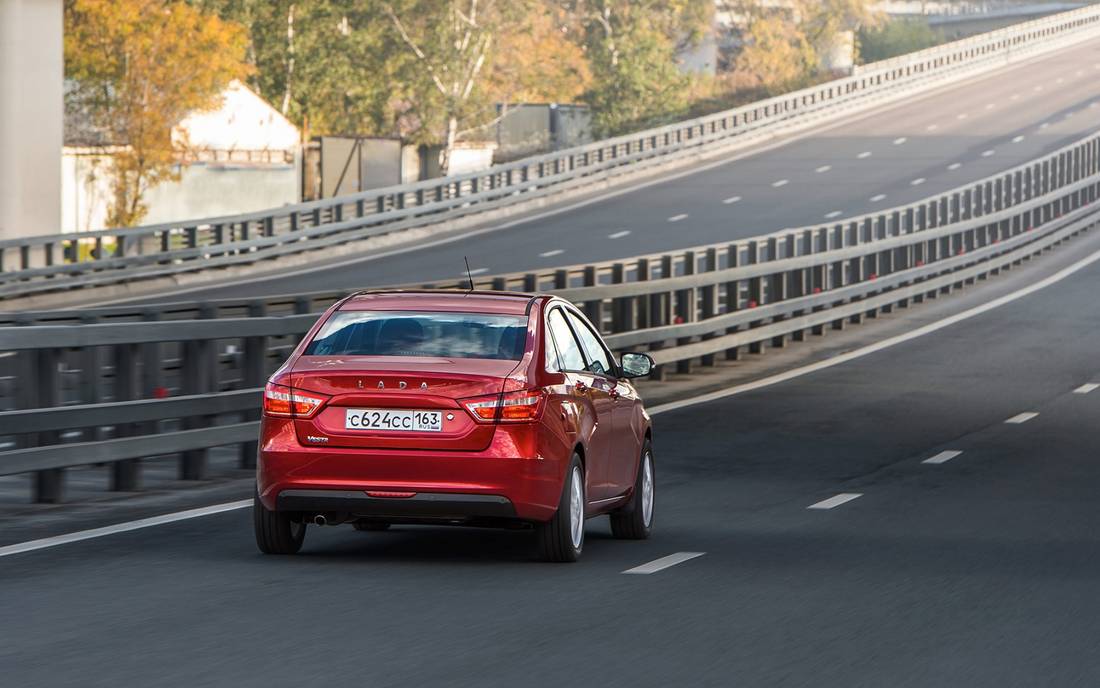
420,407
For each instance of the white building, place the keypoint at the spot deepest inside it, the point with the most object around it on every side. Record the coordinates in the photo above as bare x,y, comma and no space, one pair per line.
243,156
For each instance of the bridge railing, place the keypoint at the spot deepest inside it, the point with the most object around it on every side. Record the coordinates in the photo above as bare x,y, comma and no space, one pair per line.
65,261
687,308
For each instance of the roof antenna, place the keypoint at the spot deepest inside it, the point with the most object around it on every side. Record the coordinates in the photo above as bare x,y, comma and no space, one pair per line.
469,275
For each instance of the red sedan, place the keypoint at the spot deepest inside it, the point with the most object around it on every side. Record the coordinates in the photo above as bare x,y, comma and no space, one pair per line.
476,408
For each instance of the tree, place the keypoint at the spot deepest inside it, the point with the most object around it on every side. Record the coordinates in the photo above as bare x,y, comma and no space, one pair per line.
632,46
137,68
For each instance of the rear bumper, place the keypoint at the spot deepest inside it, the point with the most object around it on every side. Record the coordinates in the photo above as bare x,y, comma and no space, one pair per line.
425,505
519,476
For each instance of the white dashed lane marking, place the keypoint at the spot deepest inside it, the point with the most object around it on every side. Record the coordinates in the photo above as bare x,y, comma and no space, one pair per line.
619,235
900,140
478,271
823,168
664,563
932,127
549,254
954,166
835,213
988,153
876,199
781,182
677,218
962,115
1085,389
1022,418
731,200
918,181
943,456
1017,139
864,155
833,502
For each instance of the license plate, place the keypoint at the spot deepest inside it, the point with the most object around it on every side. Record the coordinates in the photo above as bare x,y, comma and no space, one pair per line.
393,421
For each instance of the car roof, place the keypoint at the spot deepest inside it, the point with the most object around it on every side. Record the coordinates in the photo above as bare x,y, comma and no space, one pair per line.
450,301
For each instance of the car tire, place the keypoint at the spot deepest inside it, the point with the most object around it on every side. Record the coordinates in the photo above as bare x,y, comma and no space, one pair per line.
371,526
634,521
276,533
561,539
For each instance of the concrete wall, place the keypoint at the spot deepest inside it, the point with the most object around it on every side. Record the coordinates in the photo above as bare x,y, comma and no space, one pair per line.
205,190
31,117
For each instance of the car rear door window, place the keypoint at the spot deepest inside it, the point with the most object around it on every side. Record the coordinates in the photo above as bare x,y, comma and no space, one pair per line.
569,351
599,360
448,335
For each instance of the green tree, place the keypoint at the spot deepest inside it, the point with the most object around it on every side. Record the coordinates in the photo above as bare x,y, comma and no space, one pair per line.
895,38
137,68
632,47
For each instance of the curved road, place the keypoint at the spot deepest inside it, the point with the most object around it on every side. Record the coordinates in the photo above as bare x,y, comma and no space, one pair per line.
975,569
891,157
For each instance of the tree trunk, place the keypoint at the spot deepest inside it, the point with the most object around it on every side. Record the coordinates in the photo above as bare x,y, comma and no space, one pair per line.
448,148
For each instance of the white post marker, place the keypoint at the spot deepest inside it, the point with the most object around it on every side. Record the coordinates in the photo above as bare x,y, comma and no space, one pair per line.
664,563
833,502
943,456
1022,418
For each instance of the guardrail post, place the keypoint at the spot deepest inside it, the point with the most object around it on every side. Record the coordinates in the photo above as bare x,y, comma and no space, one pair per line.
641,312
91,372
593,309
709,299
685,309
253,375
840,267
777,290
857,268
622,307
756,293
125,475
49,484
199,377
733,296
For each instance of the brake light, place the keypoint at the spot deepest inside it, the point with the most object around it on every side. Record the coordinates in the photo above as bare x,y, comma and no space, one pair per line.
511,407
280,400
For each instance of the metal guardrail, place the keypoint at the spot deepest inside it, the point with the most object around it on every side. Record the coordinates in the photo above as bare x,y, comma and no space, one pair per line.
50,263
686,308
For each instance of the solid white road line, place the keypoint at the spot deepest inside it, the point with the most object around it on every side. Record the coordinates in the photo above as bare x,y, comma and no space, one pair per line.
835,213
876,199
833,502
1022,418
781,182
619,235
1085,389
823,168
943,456
32,545
918,181
900,140
677,218
548,254
1017,139
954,166
732,199
864,154
664,563
884,344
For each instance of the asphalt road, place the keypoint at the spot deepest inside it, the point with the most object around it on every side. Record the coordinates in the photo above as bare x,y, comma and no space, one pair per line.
894,156
977,571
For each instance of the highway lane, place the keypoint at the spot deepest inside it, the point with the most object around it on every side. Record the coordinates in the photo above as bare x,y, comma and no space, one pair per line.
891,157
974,571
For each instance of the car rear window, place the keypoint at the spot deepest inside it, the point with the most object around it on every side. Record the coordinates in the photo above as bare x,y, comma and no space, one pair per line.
447,335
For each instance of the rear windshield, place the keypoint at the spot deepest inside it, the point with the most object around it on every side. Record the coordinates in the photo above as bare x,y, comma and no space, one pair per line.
449,335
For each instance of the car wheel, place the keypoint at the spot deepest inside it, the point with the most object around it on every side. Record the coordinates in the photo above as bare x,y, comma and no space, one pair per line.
372,526
635,520
276,533
561,538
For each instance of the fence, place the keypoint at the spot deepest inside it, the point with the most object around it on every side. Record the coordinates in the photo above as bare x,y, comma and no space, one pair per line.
686,308
57,262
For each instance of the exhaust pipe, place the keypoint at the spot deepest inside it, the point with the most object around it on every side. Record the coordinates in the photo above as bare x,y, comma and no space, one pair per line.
320,520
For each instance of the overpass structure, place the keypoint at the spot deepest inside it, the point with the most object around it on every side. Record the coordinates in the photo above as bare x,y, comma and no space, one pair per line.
905,503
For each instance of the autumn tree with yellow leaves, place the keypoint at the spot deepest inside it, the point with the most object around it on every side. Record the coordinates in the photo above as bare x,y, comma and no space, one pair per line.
136,68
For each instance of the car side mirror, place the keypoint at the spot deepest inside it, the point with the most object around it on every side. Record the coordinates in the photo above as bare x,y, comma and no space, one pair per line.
636,364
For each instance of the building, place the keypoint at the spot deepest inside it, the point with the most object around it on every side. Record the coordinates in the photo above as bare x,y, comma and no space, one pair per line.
241,156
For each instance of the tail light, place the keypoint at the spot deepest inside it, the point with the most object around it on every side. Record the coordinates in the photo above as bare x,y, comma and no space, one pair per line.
280,400
511,407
